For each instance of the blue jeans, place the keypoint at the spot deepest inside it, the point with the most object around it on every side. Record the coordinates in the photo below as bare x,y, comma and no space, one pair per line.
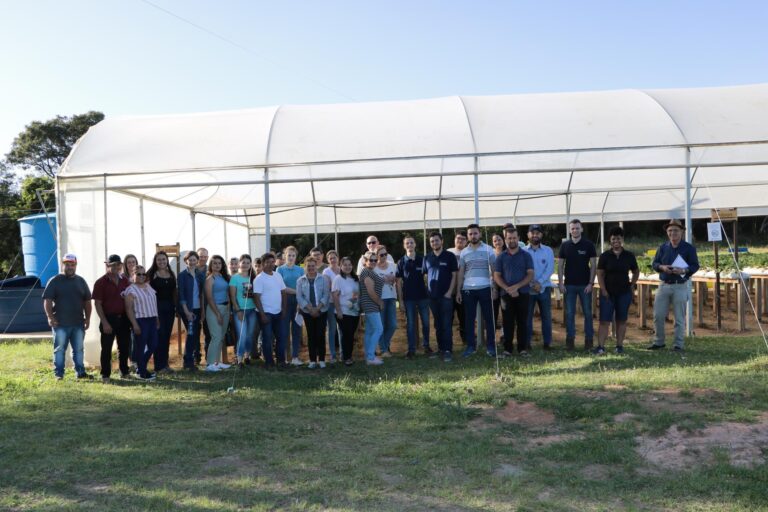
63,336
332,330
411,324
145,343
244,330
389,323
290,328
571,293
166,312
373,330
470,300
272,338
442,312
192,343
544,300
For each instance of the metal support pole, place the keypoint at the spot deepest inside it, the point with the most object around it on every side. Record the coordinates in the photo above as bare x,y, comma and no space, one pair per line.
267,232
226,245
425,227
439,216
335,230
194,230
141,223
315,217
688,237
106,250
602,233
477,195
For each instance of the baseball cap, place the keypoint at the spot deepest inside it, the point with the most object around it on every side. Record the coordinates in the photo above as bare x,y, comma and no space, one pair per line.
535,227
113,259
69,258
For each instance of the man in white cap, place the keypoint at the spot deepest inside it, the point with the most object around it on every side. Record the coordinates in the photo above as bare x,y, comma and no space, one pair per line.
67,303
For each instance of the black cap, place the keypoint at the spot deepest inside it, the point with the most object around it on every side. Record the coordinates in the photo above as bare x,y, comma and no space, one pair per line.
535,227
113,259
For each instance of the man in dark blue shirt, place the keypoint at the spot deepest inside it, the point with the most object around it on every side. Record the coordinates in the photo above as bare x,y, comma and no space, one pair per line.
513,272
441,268
577,262
413,294
675,261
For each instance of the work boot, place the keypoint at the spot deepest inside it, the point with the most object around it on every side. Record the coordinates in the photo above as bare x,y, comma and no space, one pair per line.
569,344
588,344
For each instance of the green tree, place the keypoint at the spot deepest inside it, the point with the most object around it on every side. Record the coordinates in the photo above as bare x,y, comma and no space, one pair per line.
43,146
10,242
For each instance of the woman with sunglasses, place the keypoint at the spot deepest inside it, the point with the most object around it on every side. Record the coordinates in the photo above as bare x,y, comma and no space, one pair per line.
162,279
346,292
217,311
141,308
388,272
372,304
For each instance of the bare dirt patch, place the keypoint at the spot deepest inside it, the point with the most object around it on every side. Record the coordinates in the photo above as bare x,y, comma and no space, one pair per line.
743,443
625,417
525,414
614,387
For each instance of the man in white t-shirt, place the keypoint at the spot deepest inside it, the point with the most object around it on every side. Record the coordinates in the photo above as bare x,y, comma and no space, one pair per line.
271,302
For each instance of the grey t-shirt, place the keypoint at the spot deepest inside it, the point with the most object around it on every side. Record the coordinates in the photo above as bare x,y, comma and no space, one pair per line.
68,295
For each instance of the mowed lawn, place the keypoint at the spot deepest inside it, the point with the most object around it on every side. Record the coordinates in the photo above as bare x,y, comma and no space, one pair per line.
558,431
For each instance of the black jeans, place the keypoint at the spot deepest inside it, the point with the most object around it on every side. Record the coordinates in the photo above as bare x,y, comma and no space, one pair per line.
514,311
459,309
348,329
315,336
121,329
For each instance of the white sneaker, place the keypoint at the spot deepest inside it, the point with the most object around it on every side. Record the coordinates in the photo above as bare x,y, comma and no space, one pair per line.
374,362
296,361
312,365
322,364
212,368
223,366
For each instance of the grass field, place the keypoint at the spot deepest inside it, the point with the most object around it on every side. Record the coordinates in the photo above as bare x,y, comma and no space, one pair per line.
558,431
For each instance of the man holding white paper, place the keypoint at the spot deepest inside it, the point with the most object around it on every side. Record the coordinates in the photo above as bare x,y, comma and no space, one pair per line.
675,261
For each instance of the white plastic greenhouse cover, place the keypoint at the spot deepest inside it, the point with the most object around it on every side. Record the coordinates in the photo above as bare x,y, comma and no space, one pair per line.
199,179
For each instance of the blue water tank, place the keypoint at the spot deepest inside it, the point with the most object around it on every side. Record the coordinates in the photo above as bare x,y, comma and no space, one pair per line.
38,244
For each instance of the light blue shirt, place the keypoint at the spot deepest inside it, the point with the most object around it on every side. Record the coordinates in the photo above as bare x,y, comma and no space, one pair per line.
543,264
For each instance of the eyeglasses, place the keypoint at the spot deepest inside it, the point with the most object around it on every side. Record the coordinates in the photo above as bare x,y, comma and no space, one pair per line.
140,274
371,242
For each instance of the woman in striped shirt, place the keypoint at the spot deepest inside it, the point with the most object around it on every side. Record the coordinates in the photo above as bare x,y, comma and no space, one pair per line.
141,308
371,285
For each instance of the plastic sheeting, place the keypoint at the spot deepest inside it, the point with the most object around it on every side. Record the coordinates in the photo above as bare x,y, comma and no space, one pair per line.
202,179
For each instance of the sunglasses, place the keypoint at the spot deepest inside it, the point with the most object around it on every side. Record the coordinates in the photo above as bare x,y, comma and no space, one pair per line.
140,274
383,255
371,243
374,260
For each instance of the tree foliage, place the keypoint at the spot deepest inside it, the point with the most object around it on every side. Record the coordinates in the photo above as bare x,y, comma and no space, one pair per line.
43,146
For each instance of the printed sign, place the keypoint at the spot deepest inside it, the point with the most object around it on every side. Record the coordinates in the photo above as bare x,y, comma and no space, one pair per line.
714,231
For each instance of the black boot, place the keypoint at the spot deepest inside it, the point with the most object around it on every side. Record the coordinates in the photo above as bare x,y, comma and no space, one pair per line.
569,344
588,344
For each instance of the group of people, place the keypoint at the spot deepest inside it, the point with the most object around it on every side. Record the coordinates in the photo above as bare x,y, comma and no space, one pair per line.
260,306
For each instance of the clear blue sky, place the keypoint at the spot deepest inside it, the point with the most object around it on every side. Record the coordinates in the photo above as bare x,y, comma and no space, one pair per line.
127,57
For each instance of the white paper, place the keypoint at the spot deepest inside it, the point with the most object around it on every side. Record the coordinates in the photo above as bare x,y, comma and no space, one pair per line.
679,263
714,231
299,319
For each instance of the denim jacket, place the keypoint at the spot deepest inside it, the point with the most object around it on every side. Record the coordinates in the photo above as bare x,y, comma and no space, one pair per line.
187,287
322,292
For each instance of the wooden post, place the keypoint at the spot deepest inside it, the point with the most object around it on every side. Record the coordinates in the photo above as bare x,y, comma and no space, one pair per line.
701,290
741,297
718,311
642,302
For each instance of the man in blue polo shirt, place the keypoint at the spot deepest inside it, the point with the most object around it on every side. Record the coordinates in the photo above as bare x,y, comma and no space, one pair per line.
675,261
512,273
413,294
441,267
